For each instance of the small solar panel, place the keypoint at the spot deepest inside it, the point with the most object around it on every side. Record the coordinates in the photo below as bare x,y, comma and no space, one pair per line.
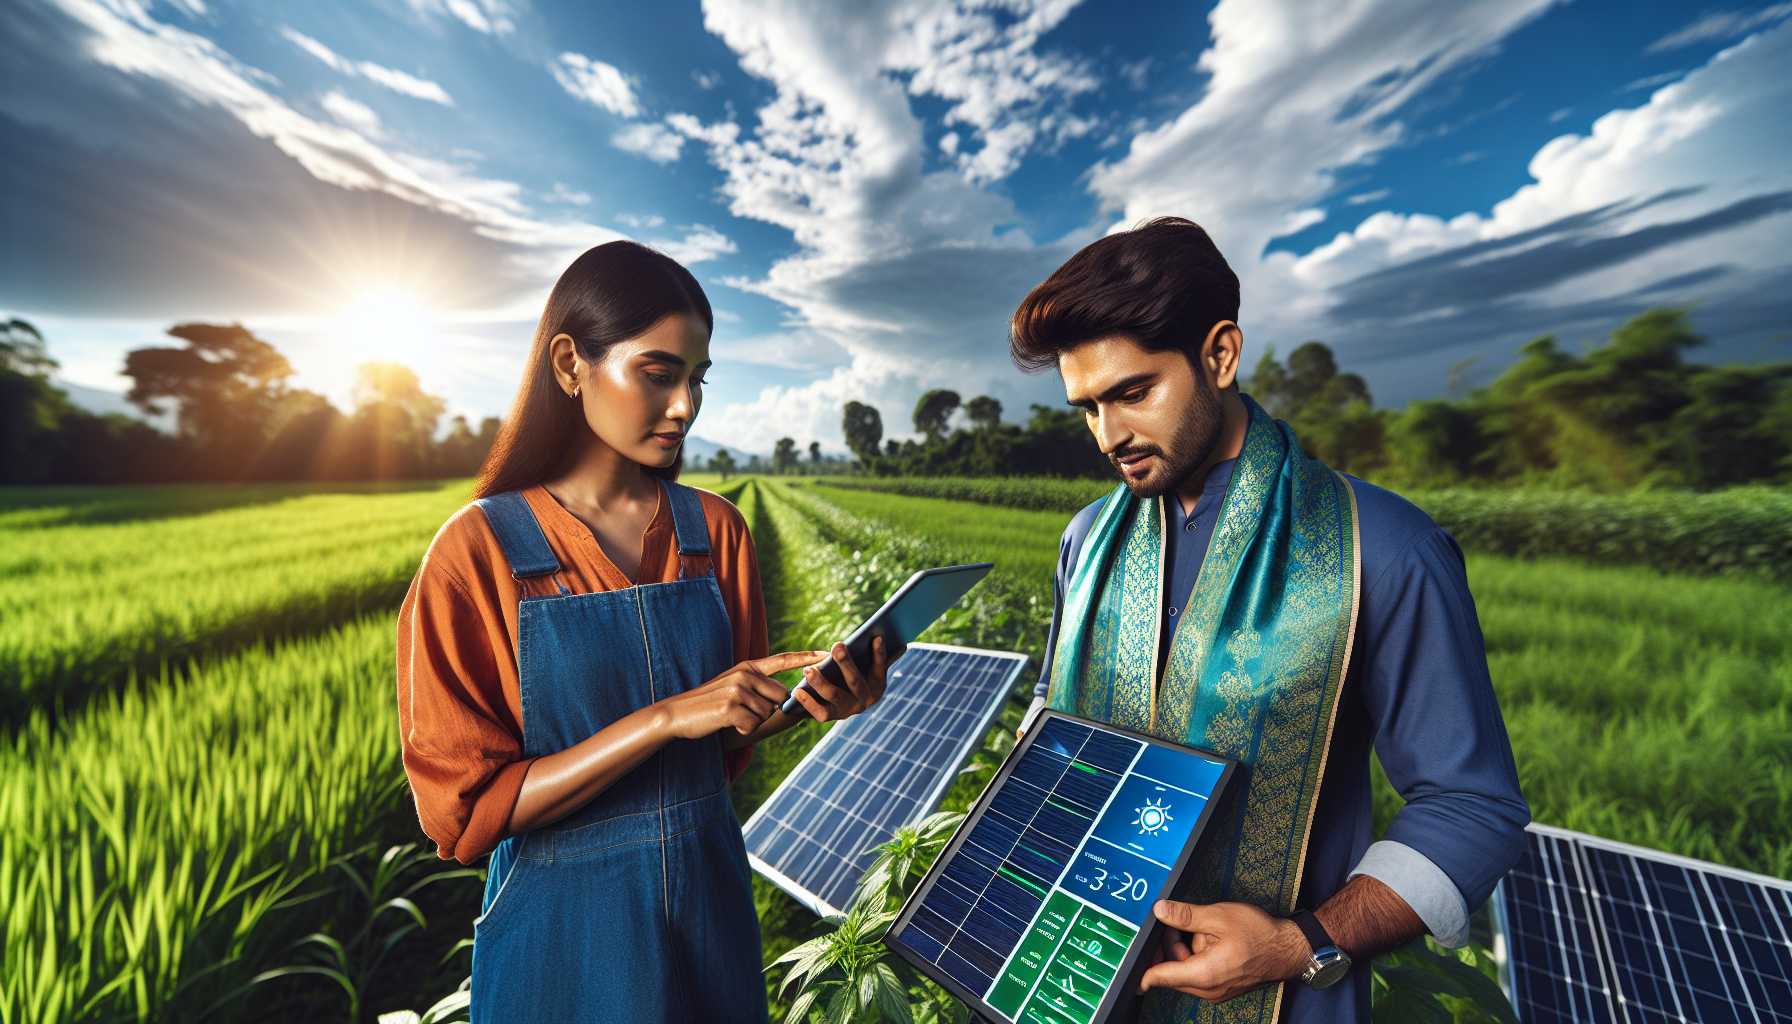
877,771
1039,907
1598,931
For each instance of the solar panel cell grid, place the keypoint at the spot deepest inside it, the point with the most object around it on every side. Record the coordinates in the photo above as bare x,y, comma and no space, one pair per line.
1599,931
877,771
1034,909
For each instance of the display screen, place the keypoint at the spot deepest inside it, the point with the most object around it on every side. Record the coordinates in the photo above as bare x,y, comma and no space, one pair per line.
1043,897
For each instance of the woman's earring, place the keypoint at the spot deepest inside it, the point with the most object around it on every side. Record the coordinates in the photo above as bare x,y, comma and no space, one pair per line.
575,391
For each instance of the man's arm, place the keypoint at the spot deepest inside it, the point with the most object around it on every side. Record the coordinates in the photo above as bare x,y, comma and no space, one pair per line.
1443,744
1216,951
1441,740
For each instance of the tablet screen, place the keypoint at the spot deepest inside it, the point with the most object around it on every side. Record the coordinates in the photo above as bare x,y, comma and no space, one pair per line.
1041,902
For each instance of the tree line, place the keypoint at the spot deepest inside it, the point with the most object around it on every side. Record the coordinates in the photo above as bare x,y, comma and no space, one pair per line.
1634,411
237,418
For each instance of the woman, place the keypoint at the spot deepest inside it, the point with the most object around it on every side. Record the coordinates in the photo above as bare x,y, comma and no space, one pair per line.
582,666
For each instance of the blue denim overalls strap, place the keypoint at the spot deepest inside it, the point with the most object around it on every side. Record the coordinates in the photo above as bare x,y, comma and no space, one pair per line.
637,906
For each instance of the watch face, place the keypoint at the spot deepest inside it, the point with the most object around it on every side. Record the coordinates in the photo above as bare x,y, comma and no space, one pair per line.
1333,964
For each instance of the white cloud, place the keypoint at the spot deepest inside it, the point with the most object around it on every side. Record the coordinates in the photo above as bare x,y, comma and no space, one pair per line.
1652,81
699,244
491,17
356,115
801,350
1719,25
1560,114
597,83
650,139
1289,103
128,40
1136,72
1369,197
1691,187
706,80
563,194
652,220
391,78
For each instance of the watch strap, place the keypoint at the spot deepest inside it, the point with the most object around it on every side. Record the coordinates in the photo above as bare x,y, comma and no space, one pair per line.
1314,931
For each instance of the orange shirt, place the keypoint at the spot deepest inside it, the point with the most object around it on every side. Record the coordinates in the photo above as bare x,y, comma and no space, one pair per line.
460,715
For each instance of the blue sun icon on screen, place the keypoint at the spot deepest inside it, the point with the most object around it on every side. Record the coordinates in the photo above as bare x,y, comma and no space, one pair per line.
1152,818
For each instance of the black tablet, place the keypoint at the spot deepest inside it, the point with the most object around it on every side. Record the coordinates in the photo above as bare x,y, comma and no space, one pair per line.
910,610
1039,907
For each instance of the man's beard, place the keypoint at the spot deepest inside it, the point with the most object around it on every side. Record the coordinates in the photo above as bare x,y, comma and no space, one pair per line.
1195,439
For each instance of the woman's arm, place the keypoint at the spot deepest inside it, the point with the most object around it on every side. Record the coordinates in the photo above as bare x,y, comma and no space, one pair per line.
735,703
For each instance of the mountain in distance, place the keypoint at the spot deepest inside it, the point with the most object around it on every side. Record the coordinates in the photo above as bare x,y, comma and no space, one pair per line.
100,402
696,447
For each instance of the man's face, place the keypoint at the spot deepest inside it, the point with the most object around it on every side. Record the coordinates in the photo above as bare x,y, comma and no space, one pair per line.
1155,418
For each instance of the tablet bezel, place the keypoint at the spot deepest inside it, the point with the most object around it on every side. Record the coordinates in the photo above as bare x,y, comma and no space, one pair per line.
861,637
1116,990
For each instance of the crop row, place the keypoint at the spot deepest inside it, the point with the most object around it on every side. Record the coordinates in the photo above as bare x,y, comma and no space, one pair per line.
89,606
1743,531
152,839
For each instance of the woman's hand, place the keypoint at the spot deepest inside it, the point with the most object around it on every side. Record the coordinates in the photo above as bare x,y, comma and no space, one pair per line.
828,702
740,698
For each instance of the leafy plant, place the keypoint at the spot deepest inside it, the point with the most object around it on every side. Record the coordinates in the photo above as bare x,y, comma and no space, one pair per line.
846,974
385,893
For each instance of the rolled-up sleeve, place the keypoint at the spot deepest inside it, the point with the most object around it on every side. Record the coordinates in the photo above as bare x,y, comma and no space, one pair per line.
1441,740
462,755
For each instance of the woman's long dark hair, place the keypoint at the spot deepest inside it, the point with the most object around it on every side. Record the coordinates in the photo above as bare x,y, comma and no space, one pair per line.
611,293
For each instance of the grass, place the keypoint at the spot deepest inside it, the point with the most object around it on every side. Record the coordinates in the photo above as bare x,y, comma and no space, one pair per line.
200,720
1648,707
88,605
154,841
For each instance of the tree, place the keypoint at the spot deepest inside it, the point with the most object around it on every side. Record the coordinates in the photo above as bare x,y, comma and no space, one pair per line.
814,453
31,408
22,349
932,410
984,411
394,421
1269,385
226,382
864,429
723,463
784,455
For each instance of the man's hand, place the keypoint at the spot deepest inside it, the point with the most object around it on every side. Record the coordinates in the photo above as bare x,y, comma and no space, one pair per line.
1215,951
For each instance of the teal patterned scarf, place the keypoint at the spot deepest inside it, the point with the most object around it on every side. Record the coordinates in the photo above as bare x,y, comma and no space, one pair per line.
1255,665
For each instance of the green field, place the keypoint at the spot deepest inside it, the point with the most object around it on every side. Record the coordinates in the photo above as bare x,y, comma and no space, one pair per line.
201,765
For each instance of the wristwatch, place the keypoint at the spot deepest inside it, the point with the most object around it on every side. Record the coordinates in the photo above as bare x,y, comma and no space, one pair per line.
1328,964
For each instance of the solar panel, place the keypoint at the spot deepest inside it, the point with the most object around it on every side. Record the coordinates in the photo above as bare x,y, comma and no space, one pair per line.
877,771
1595,930
1039,907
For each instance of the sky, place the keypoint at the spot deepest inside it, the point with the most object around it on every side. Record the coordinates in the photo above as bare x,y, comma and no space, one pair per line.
867,190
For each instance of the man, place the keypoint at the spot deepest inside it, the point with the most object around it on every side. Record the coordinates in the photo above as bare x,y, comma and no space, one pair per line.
1237,595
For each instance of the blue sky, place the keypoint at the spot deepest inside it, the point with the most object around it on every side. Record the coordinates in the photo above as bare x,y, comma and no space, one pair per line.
866,190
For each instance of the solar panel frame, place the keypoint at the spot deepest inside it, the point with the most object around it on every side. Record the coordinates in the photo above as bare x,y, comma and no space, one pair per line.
1119,998
841,735
1623,896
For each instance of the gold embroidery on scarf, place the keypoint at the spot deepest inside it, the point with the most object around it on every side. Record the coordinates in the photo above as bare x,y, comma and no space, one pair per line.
1135,663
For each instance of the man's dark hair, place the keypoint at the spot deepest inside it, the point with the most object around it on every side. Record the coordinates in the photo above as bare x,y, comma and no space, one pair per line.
1164,284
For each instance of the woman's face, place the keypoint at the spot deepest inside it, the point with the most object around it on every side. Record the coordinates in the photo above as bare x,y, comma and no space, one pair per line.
641,396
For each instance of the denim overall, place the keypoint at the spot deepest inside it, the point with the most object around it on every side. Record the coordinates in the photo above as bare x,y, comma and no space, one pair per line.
639,905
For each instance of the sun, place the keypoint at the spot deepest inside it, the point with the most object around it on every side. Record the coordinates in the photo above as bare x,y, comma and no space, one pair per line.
1153,818
386,323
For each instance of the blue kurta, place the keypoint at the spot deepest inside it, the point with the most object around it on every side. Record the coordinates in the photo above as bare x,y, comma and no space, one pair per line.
1417,691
